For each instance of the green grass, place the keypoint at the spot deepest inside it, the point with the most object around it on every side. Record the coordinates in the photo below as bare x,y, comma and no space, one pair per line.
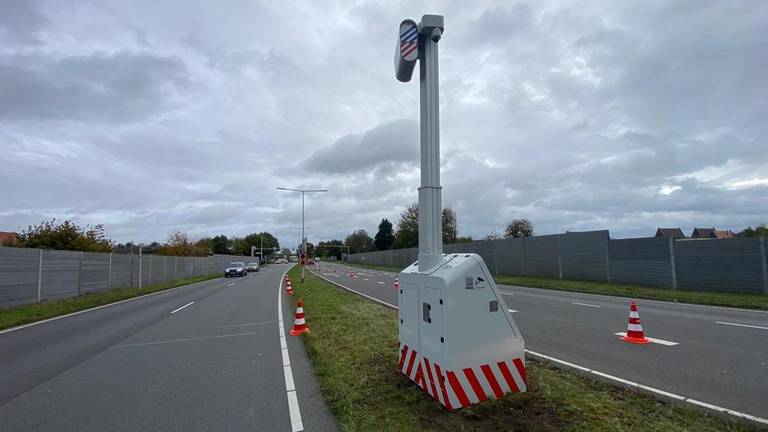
353,346
739,300
48,309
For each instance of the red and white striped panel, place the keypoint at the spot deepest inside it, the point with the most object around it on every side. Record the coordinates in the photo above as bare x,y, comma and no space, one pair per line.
471,385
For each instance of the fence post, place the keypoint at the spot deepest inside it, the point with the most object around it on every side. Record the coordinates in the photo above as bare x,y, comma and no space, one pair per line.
672,262
80,275
164,274
109,277
764,263
608,261
150,269
140,262
193,266
559,259
175,268
40,277
131,269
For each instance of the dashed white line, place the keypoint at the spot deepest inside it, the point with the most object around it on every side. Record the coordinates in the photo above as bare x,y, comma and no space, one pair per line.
229,285
586,304
178,309
742,325
380,283
654,340
290,386
512,310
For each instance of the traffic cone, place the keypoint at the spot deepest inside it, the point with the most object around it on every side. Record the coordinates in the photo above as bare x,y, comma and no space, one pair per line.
634,328
288,288
300,325
396,285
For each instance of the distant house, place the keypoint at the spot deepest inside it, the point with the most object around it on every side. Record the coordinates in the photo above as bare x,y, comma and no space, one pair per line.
703,233
724,234
675,233
7,237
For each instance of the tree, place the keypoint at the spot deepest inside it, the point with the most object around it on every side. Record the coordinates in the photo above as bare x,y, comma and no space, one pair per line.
385,237
760,231
332,248
450,227
220,245
519,228
464,239
181,244
285,251
359,241
493,236
66,235
310,249
407,234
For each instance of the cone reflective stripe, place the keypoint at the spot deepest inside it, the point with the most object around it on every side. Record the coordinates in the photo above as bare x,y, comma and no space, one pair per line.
396,285
635,332
288,288
300,325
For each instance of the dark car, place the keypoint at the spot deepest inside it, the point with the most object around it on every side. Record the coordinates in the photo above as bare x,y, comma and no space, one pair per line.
235,269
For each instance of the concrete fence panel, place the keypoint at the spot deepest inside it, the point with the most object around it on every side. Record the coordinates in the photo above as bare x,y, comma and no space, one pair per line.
61,274
94,272
732,265
510,256
18,276
542,256
641,261
585,255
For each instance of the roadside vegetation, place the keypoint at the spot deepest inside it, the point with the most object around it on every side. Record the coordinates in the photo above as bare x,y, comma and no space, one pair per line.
353,347
16,316
739,300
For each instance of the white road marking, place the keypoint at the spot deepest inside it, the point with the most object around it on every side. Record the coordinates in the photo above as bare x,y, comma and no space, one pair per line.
231,284
290,387
506,293
512,310
604,375
23,326
380,283
181,340
654,340
178,309
365,279
586,304
649,389
741,325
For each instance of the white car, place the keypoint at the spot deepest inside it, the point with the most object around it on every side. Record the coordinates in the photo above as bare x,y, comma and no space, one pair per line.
252,266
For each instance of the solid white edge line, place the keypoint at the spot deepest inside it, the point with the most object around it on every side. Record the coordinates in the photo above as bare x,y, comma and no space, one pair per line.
654,340
638,386
23,326
586,304
178,309
741,325
290,386
293,406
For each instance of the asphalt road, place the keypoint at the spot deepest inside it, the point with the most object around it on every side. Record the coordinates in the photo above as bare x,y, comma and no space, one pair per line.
721,356
202,357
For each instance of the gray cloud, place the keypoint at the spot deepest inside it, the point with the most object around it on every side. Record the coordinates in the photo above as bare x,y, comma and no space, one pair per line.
150,116
101,87
396,141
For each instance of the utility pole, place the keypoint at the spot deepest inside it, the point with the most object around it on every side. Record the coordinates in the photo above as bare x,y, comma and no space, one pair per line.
303,238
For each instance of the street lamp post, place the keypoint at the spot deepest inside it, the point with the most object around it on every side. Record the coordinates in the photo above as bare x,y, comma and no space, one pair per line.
303,239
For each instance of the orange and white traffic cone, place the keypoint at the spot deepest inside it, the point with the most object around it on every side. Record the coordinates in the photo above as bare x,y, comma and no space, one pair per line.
288,287
634,328
300,325
396,285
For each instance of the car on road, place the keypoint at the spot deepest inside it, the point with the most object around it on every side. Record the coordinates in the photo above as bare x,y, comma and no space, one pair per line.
252,266
235,269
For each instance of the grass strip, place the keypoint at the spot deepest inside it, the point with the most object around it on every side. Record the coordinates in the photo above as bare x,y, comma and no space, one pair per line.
19,315
739,300
353,346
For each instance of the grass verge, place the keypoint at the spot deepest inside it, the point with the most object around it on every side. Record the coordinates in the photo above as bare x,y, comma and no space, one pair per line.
16,316
739,300
353,347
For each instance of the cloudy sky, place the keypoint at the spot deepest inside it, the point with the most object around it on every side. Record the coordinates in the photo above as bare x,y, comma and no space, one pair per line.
149,116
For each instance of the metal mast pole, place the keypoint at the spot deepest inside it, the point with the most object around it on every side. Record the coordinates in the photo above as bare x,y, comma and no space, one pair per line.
430,205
